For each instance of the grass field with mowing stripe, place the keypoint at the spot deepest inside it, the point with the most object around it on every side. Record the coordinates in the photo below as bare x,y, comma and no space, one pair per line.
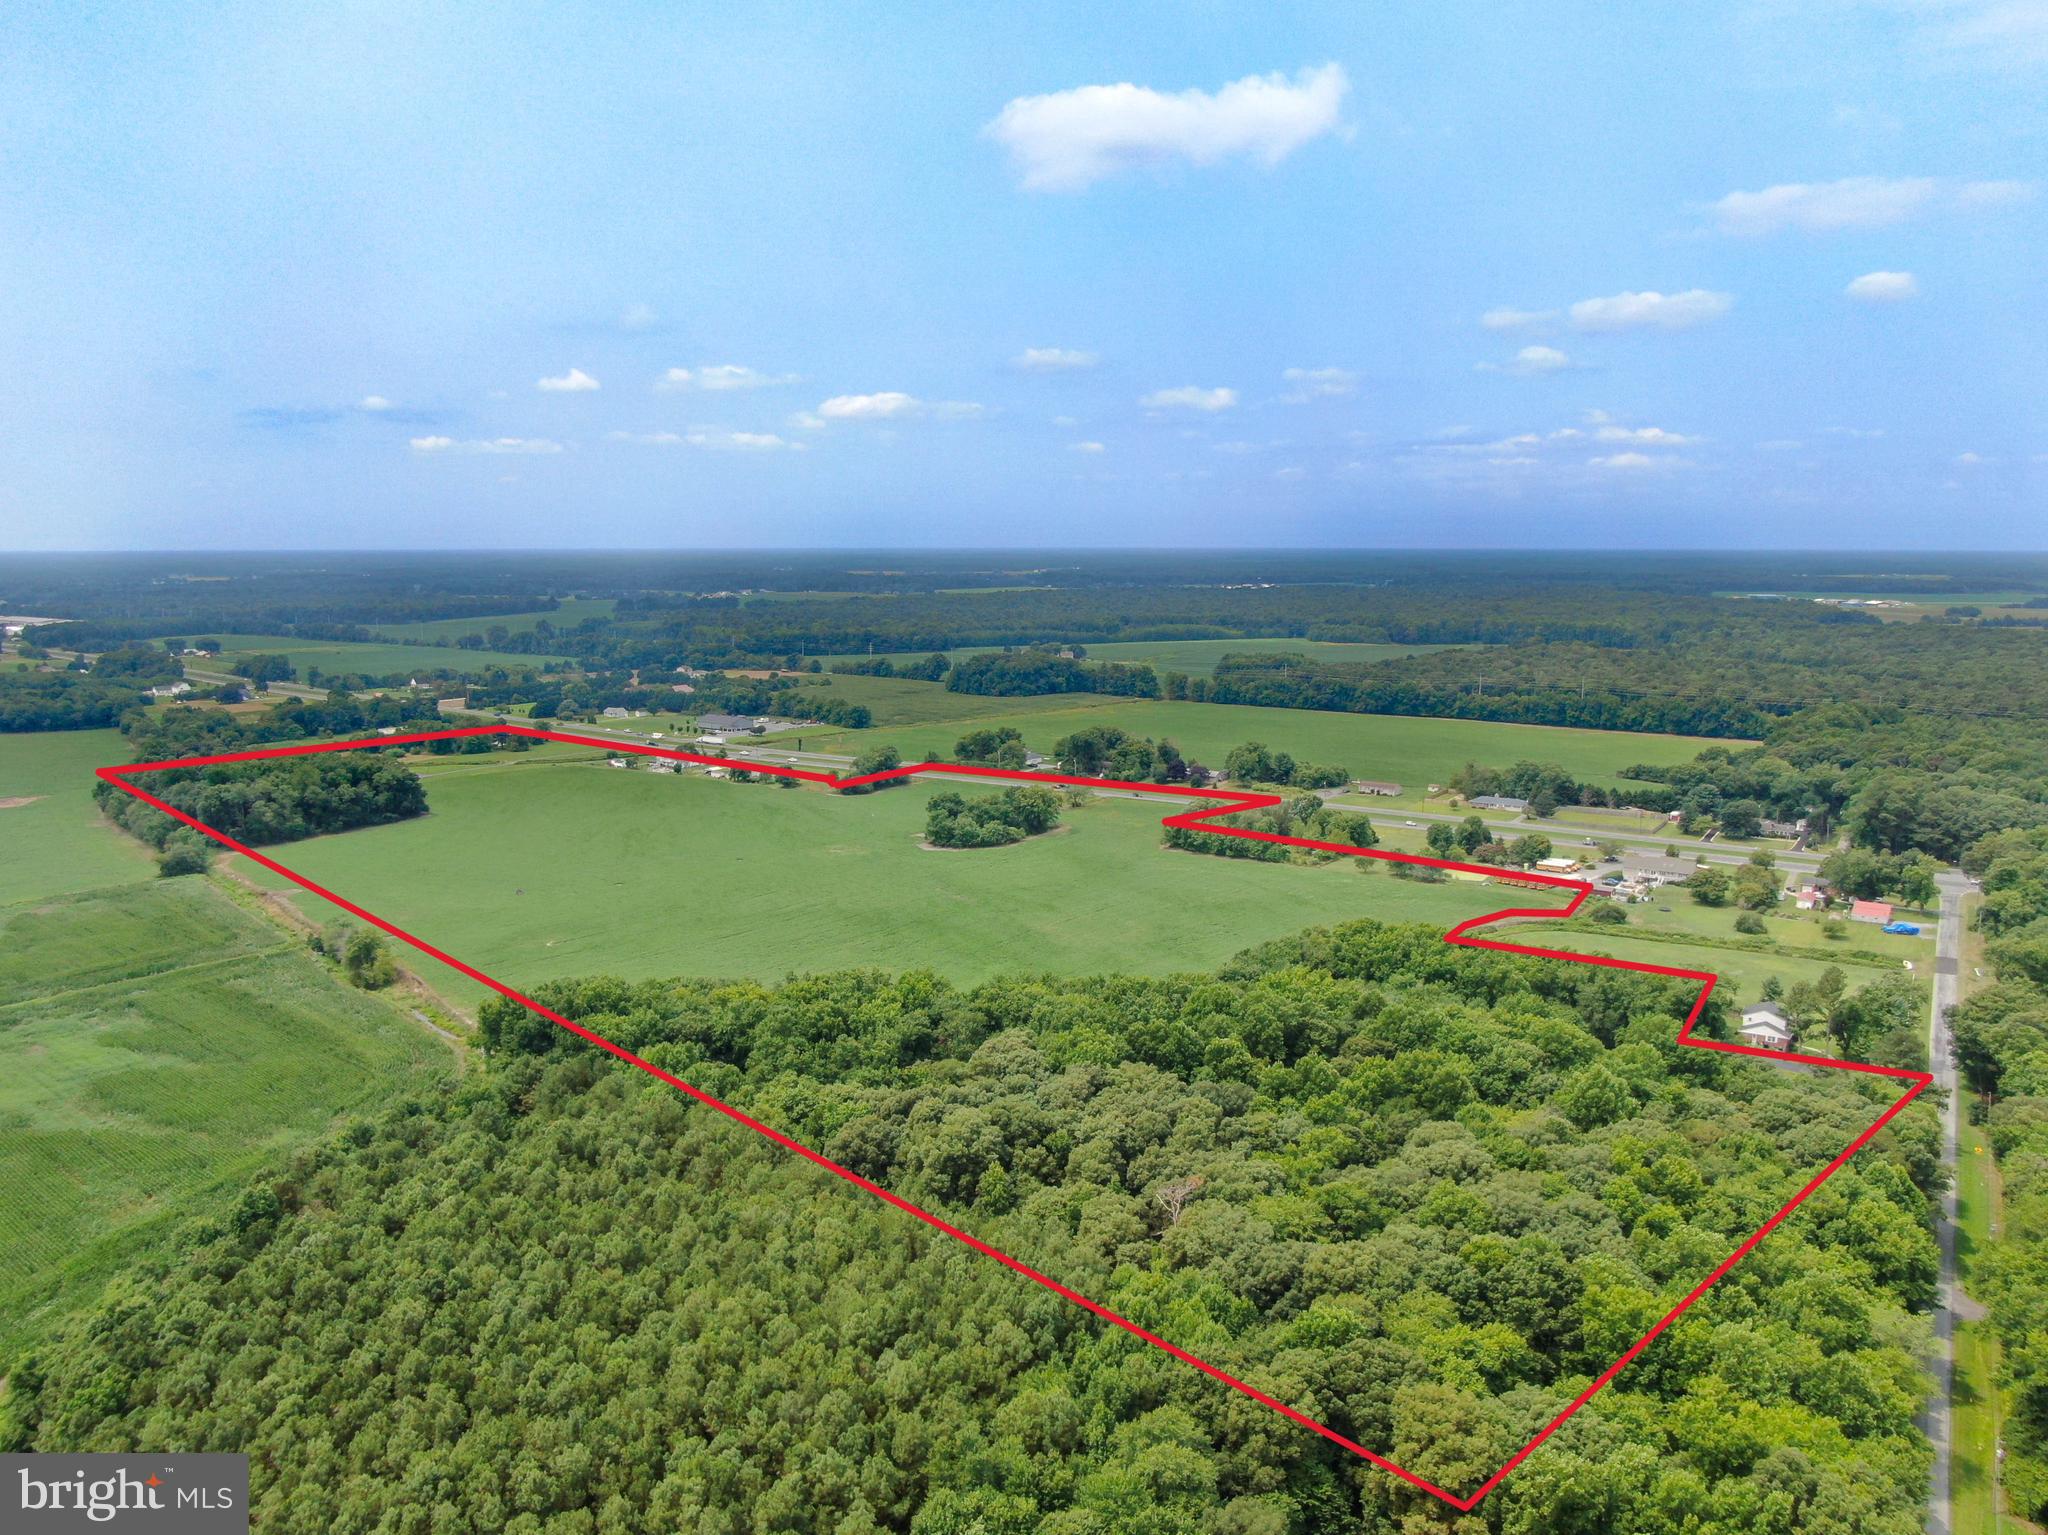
534,871
59,841
130,1107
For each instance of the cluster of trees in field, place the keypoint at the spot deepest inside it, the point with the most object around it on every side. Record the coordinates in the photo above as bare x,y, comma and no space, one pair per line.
32,700
1253,763
279,799
1105,751
1473,841
1421,1194
162,734
1001,747
1304,816
932,668
990,820
1025,673
555,696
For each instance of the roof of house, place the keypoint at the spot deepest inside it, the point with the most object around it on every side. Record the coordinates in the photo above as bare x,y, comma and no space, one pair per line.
1379,784
1765,1012
726,721
1658,863
1500,802
1871,911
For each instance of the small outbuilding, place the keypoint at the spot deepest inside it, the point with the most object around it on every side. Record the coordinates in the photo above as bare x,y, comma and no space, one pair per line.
1879,912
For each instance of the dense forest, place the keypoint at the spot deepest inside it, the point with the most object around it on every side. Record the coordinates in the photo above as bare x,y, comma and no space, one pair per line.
277,800
1420,1193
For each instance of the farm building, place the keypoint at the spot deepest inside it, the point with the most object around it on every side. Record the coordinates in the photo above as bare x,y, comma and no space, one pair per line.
1499,802
171,690
1375,786
1766,1025
615,713
728,722
1879,912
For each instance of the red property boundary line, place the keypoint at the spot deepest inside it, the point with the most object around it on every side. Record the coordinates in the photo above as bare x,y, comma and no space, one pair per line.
1234,802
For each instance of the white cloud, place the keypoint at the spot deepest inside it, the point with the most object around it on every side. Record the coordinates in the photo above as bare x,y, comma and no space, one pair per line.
575,381
1516,319
1068,140
1969,460
1190,397
485,445
1635,463
718,377
1065,421
1884,287
373,402
1647,436
1530,361
647,439
1319,384
1662,311
959,410
868,407
1084,447
712,437
637,317
1290,472
807,421
1054,359
1857,202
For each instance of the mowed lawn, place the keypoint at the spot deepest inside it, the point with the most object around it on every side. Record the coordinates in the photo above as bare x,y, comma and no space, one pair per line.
537,871
1410,751
129,1106
339,657
58,841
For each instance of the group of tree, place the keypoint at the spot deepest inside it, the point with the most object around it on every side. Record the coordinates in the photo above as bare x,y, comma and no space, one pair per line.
932,668
1304,816
1002,746
279,799
1861,874
1251,763
1473,841
1421,1194
1755,886
990,820
1026,673
1105,751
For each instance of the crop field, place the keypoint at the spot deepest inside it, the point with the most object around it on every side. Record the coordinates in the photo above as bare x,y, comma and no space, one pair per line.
370,660
571,613
1410,751
132,1105
55,839
1198,658
534,871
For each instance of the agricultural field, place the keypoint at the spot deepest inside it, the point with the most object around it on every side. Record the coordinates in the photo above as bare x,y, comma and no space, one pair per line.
370,660
1743,971
1198,658
52,836
158,1046
1412,752
436,630
534,871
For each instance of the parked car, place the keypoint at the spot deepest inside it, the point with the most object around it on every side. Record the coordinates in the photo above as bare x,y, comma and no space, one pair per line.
1908,928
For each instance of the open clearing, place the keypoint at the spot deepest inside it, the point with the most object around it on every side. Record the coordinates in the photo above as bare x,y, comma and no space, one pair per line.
1410,751
571,613
131,1105
534,871
58,841
1197,658
371,660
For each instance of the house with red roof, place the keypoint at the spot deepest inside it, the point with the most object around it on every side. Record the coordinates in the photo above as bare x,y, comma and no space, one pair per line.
1879,912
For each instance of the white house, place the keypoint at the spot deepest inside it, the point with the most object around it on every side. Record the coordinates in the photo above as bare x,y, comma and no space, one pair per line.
1766,1026
171,690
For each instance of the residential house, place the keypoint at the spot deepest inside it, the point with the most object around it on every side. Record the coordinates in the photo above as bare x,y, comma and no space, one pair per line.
1375,786
1879,912
171,690
615,713
1766,1026
1499,802
1810,898
1657,869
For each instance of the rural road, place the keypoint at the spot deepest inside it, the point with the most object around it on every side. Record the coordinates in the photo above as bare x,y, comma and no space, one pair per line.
1947,967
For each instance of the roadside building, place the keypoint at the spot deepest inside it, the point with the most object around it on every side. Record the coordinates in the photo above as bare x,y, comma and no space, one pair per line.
1766,1026
1879,912
1375,786
615,713
1557,865
1653,869
728,723
1499,802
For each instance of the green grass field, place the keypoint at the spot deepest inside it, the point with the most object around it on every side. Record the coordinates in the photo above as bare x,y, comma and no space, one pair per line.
58,841
1742,971
1412,752
1197,658
370,660
534,871
571,613
133,1104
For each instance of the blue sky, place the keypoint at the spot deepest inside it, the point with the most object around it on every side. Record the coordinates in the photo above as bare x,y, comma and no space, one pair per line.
1490,274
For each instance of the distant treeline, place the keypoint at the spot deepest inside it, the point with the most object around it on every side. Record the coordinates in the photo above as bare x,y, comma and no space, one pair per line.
1027,673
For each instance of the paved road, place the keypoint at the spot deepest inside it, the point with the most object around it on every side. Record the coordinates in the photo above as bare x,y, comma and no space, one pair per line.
1947,965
